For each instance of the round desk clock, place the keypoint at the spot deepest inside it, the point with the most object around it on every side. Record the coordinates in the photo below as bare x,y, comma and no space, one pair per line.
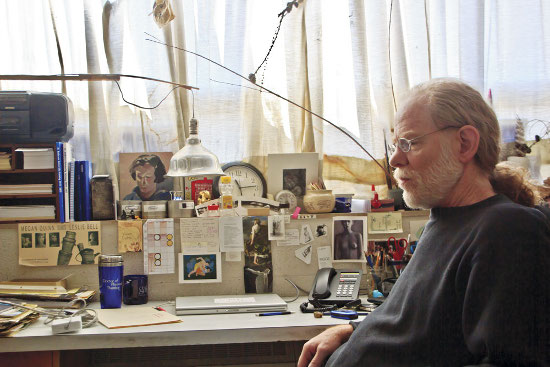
286,196
247,180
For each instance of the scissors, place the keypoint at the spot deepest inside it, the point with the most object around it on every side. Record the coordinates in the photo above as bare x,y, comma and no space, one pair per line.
399,246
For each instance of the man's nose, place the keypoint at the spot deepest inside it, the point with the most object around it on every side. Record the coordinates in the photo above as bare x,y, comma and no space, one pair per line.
398,158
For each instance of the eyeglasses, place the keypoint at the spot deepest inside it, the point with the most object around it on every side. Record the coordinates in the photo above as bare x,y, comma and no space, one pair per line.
405,144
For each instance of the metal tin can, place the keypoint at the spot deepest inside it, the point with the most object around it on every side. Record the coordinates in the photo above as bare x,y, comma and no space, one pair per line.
154,209
111,271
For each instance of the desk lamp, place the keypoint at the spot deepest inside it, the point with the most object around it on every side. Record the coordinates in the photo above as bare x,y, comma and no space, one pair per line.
194,159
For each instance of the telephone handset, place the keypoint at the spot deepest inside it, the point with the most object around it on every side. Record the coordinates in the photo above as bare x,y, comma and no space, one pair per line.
335,287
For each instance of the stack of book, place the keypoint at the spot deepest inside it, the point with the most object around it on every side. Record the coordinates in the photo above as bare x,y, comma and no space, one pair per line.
37,158
26,189
73,181
5,161
27,212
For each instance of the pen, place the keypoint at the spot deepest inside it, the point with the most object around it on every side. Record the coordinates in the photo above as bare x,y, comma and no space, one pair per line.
160,309
274,313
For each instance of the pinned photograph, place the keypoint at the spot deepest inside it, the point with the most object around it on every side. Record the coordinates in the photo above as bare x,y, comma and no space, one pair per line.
349,238
201,268
276,227
306,235
258,269
321,230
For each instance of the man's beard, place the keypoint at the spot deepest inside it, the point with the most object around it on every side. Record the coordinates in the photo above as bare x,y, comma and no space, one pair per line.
431,186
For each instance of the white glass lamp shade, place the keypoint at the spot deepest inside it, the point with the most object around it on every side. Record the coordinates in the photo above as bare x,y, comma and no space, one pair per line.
194,159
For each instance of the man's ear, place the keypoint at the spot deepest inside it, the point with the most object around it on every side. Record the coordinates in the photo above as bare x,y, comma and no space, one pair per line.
469,142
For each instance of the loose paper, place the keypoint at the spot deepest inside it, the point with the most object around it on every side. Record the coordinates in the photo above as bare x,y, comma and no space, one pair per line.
276,227
323,255
51,244
304,254
306,236
158,246
199,235
292,238
130,236
231,234
387,222
233,256
114,318
200,268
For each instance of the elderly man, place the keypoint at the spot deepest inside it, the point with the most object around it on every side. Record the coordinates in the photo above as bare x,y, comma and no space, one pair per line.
476,290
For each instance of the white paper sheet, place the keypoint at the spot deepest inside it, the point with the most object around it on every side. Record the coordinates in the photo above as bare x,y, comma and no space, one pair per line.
233,256
158,246
304,253
231,234
196,232
292,238
323,255
388,222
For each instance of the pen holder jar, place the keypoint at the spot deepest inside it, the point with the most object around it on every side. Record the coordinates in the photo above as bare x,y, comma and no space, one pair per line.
319,201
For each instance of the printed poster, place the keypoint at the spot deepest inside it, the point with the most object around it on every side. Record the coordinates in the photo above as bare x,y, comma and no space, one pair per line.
130,236
53,244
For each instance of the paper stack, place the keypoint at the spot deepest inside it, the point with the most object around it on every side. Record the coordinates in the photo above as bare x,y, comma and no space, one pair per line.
26,189
27,212
46,293
5,161
14,319
37,158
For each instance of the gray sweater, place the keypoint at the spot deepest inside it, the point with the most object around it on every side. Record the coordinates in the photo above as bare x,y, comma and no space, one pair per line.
476,291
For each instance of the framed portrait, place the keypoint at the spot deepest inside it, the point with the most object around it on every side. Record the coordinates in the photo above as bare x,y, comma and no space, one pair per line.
349,238
200,268
291,172
142,176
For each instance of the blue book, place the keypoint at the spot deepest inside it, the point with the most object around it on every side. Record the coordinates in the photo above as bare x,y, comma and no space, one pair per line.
60,181
77,192
86,200
72,191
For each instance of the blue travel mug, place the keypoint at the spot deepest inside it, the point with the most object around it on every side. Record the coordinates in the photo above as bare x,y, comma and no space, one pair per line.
110,280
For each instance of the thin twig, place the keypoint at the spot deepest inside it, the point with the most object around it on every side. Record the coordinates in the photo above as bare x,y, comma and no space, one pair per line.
283,98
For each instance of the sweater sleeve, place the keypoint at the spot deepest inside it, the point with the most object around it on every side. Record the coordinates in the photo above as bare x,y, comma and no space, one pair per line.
506,296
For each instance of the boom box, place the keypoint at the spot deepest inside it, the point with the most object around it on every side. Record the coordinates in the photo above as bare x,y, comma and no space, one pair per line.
32,117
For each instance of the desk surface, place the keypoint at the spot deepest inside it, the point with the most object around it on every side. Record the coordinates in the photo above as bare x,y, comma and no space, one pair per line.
196,329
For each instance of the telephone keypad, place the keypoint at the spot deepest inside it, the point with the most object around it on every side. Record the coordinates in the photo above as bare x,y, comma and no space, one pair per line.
346,285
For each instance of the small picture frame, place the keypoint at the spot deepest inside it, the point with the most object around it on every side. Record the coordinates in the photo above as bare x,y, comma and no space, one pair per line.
200,268
291,172
349,239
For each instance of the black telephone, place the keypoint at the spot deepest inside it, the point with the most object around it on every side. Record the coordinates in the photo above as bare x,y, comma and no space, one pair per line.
335,287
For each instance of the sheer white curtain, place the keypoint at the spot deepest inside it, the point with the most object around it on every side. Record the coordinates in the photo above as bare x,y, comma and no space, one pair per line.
351,62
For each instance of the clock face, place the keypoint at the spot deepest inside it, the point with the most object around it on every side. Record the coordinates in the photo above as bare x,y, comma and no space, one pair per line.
246,179
286,196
